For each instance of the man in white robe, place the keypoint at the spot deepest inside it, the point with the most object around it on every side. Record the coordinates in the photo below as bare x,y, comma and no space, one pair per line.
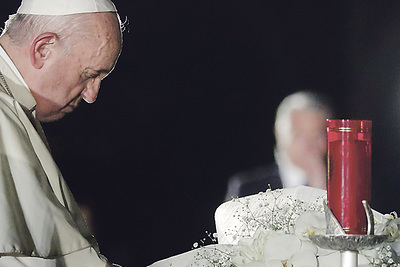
43,76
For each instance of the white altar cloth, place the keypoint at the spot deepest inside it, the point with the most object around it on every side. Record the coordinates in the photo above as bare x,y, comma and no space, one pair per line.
238,220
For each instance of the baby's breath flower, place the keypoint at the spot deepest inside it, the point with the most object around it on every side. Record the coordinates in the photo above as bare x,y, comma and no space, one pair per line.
274,216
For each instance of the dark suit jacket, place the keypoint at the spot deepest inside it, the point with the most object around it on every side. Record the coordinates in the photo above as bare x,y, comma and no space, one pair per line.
254,181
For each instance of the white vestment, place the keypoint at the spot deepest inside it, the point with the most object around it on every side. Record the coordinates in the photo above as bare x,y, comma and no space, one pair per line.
41,224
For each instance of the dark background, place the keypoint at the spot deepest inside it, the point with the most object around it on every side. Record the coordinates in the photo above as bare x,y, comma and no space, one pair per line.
193,99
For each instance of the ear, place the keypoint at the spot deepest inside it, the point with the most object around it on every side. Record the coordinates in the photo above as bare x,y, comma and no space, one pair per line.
41,48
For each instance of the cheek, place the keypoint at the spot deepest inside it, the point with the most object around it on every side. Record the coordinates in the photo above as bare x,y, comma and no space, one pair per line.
73,84
75,92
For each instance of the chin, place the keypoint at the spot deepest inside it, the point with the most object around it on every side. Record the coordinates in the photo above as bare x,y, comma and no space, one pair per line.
51,118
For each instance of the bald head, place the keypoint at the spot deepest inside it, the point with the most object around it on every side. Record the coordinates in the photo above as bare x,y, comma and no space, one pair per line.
23,28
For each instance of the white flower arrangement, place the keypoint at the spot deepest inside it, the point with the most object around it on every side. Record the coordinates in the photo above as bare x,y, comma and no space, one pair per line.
271,229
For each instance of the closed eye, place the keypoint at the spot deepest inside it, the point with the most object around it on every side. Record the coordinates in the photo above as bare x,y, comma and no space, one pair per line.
93,74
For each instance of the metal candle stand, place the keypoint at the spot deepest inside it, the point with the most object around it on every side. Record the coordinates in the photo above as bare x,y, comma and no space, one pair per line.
348,245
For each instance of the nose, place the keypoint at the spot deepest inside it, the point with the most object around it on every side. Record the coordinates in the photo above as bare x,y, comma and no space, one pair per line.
89,94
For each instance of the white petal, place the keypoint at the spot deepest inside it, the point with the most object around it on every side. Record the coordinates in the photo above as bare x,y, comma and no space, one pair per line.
304,259
281,247
310,222
256,264
330,260
245,241
363,261
274,263
325,252
372,253
308,246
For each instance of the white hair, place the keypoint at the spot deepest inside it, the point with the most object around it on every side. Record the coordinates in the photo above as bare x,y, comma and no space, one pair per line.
24,27
298,101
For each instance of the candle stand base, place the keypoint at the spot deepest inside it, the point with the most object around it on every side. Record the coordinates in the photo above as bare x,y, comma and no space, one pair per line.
348,245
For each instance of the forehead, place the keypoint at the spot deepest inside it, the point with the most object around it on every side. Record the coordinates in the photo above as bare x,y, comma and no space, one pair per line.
99,46
308,120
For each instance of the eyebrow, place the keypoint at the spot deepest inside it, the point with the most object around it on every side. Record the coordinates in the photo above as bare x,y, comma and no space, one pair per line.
103,70
97,71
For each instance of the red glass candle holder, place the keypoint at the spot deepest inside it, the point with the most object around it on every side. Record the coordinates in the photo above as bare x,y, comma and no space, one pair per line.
349,172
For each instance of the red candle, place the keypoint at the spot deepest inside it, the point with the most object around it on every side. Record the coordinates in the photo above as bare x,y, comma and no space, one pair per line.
349,172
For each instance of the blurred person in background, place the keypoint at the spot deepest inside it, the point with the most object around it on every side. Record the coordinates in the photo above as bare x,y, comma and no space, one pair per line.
300,151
